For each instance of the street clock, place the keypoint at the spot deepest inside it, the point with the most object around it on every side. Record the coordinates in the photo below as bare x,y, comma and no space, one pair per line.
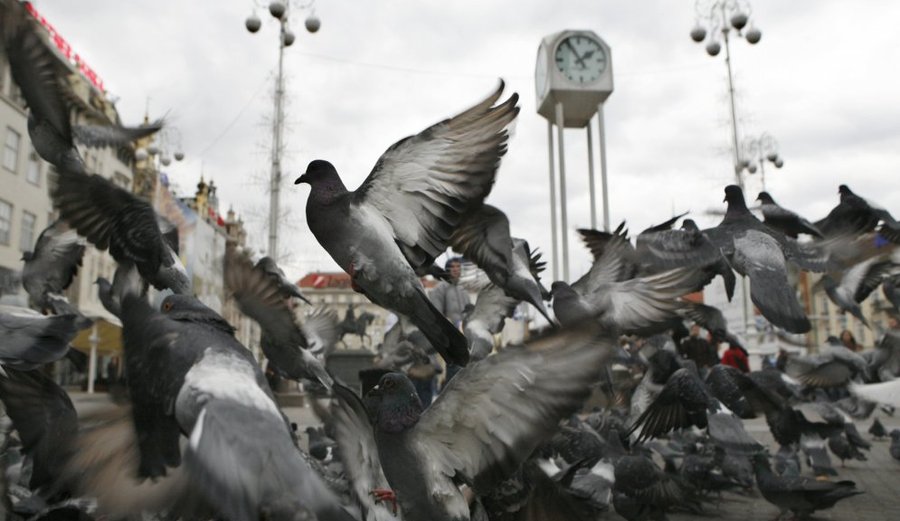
573,68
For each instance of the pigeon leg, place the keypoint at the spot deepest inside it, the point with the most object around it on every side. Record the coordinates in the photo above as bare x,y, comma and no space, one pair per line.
386,494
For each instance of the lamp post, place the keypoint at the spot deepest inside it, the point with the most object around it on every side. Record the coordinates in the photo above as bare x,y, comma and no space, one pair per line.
279,10
757,151
721,16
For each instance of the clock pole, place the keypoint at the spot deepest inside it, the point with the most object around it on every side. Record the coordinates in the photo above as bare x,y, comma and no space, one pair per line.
552,202
563,211
603,185
591,187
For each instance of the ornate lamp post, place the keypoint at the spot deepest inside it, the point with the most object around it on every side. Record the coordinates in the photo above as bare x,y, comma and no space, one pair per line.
279,10
759,150
716,17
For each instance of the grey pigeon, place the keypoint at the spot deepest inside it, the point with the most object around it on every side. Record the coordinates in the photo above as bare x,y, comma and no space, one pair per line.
844,294
31,339
787,461
886,393
895,444
389,231
833,366
51,266
843,449
484,424
855,215
760,253
817,457
484,238
267,264
877,429
784,220
643,491
113,218
492,308
285,342
800,495
611,294
240,446
711,319
33,68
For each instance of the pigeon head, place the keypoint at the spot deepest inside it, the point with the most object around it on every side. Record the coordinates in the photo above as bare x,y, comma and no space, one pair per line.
689,225
321,173
765,198
733,194
27,256
844,190
395,403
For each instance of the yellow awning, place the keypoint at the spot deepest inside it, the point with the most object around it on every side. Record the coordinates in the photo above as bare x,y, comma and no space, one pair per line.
109,338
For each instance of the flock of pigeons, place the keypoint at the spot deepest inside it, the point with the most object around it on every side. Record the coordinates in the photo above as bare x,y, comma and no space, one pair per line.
200,434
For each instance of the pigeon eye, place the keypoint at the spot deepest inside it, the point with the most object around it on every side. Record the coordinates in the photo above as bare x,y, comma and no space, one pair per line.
389,384
167,306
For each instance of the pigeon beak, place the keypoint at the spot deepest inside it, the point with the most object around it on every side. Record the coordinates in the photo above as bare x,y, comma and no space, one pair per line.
375,391
301,179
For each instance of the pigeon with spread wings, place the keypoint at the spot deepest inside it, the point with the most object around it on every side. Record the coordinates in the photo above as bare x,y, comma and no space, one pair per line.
389,231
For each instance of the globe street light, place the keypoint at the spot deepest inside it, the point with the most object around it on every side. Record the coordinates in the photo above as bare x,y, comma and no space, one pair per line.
759,150
721,16
281,12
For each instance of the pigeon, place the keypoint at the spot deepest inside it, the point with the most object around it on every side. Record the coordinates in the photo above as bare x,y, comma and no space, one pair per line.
843,449
113,218
855,215
817,457
492,307
31,339
740,393
508,261
711,319
844,294
287,344
484,424
760,253
800,495
643,491
50,268
895,444
33,68
886,393
877,429
389,231
784,220
833,366
787,461
240,447
610,293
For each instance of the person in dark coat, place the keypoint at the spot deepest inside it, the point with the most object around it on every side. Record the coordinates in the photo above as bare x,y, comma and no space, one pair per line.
698,349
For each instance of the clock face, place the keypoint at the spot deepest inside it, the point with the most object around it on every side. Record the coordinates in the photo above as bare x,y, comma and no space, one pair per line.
581,59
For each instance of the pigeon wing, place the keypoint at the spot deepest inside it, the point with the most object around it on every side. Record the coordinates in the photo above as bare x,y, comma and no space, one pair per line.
424,185
94,136
886,392
494,413
56,258
484,239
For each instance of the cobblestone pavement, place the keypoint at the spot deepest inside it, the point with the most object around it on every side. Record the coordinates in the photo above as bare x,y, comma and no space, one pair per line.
879,477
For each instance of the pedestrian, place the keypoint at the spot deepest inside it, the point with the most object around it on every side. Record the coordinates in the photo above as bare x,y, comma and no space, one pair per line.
451,300
736,356
698,349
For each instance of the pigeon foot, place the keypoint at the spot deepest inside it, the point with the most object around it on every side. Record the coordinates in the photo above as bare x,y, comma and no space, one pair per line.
386,494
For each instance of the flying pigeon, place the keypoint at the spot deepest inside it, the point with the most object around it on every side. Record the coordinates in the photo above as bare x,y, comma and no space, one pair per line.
492,307
484,424
51,266
833,366
111,217
33,68
856,284
31,339
267,264
285,342
508,261
240,446
784,220
389,231
760,253
855,215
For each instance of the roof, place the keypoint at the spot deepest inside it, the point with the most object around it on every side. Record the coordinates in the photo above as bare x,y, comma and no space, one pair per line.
338,280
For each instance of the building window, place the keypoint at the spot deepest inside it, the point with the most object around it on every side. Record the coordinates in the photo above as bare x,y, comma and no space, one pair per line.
26,239
11,149
33,170
5,221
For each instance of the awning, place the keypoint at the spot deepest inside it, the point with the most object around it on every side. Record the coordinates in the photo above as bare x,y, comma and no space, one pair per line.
109,338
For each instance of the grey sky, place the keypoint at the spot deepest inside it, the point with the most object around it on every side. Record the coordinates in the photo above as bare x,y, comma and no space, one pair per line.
822,81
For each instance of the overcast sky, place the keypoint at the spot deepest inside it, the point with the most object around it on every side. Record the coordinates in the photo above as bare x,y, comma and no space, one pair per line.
823,81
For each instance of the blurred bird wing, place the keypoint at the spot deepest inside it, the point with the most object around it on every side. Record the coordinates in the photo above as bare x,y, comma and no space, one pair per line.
667,412
615,264
472,278
819,372
32,65
358,452
320,329
886,392
494,413
57,256
424,185
648,300
483,238
94,136
493,307
871,276
667,249
259,297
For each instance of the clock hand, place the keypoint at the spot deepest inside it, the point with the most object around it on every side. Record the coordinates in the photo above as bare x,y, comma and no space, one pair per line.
575,53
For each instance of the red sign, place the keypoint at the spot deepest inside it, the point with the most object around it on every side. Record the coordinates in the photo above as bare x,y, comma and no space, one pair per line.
66,49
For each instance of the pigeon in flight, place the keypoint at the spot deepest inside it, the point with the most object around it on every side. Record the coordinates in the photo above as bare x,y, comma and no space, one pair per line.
31,339
33,68
854,215
784,220
484,424
388,232
854,283
111,217
508,261
51,266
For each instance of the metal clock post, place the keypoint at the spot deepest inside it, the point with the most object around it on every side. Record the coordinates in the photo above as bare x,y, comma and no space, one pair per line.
573,77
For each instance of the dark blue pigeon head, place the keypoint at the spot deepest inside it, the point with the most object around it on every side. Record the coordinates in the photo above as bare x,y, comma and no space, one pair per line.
394,404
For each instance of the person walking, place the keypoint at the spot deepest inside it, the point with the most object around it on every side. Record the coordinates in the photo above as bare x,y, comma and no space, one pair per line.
451,300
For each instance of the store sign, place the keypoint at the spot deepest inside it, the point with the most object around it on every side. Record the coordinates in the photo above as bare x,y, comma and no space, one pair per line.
66,49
